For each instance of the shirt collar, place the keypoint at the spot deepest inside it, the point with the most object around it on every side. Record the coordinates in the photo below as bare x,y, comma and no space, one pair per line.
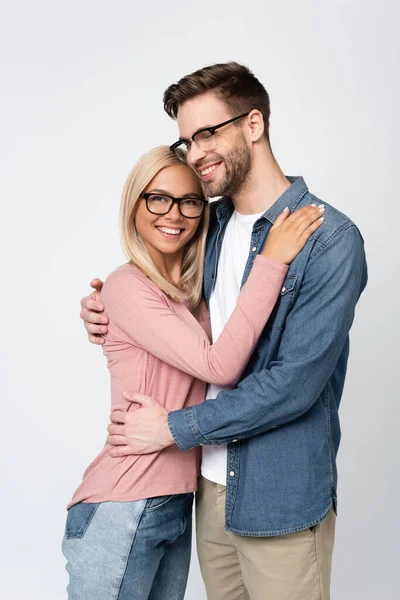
291,198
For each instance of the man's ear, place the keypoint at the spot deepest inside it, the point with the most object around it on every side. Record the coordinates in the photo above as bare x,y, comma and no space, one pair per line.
256,125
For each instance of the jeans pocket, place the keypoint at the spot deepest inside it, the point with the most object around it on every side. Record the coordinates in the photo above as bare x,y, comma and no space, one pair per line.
78,519
158,501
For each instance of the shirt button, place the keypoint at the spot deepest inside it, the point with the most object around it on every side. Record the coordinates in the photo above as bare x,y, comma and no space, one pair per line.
283,290
232,473
254,248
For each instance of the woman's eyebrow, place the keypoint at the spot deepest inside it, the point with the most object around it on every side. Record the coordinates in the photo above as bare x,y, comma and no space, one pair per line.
188,195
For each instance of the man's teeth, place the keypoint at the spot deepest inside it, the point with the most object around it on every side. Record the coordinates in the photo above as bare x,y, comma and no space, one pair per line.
170,231
209,170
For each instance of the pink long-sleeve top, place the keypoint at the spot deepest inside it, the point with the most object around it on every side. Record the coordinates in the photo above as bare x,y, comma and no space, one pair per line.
156,346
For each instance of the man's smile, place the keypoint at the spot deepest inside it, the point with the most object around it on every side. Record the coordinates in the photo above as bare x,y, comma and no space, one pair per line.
207,172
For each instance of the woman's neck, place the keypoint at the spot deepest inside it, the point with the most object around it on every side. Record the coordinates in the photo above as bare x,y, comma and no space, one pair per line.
169,265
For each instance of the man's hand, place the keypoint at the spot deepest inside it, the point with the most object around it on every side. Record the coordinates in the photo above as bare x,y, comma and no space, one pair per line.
141,431
92,314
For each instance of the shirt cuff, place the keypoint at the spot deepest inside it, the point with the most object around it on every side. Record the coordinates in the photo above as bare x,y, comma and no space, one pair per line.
183,429
272,263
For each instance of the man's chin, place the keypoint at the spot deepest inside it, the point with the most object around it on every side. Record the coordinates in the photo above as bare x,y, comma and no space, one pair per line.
214,190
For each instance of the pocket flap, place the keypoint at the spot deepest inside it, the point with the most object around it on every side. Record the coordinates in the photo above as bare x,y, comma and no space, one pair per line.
288,284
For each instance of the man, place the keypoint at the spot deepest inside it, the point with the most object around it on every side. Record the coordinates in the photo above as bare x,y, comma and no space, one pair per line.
267,495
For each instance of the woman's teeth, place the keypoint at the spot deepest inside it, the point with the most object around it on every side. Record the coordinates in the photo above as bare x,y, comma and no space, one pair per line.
170,231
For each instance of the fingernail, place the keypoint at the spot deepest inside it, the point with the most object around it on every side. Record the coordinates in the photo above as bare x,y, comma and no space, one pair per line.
321,205
321,219
287,208
321,208
313,204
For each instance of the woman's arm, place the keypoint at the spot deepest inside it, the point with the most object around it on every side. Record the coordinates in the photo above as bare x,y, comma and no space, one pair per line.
143,314
140,309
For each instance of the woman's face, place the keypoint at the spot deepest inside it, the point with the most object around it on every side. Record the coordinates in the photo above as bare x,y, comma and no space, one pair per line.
169,233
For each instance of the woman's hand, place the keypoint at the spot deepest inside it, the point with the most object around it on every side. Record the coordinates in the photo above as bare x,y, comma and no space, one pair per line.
289,234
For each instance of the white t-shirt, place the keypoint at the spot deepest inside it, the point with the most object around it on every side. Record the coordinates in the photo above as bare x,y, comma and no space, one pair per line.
232,261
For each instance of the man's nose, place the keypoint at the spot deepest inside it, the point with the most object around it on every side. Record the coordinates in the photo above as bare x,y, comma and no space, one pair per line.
194,154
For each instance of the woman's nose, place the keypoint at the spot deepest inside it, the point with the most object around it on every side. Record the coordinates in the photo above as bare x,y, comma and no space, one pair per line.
174,213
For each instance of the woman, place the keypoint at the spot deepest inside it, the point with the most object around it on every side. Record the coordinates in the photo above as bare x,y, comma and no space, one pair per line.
128,531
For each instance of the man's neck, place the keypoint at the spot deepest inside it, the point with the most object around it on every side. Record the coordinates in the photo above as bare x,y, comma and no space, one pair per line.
265,184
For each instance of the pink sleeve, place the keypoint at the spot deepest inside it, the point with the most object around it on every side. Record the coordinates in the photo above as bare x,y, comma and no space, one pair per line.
143,314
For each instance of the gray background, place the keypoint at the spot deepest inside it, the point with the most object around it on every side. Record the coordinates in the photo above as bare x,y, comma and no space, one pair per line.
81,87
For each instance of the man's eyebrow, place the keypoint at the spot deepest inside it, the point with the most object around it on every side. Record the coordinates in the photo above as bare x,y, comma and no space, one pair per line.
182,139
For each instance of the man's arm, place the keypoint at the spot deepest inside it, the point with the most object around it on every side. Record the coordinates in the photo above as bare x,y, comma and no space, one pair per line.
94,320
309,350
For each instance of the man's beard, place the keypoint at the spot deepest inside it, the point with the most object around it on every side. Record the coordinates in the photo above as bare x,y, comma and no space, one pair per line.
237,168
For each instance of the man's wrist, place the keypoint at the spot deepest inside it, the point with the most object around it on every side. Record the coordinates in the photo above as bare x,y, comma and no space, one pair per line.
168,438
183,428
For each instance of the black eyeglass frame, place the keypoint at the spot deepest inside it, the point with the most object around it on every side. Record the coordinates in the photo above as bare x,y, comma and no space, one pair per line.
174,147
174,200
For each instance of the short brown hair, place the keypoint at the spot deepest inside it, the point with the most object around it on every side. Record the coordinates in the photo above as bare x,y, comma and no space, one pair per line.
234,84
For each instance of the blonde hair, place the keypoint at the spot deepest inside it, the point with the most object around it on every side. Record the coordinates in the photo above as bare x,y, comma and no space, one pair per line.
189,287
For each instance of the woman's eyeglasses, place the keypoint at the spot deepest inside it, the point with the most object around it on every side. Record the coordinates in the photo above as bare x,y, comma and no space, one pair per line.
161,204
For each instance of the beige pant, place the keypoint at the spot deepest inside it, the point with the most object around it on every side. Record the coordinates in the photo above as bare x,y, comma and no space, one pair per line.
296,566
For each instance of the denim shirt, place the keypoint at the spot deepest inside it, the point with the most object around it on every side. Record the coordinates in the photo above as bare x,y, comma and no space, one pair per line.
281,422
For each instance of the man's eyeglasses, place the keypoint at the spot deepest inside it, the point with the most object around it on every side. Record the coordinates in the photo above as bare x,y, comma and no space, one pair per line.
204,139
161,204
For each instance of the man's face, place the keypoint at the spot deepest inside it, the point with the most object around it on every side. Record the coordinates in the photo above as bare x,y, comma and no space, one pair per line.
224,169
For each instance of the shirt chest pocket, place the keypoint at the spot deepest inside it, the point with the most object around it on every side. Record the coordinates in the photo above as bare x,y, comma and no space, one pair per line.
284,303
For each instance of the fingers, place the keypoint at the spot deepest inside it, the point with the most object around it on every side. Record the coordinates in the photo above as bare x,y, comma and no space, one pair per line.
304,217
97,284
116,429
137,397
96,339
92,316
311,228
94,320
282,217
89,303
119,451
118,416
93,329
116,440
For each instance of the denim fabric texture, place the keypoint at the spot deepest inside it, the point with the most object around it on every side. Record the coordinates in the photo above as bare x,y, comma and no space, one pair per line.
281,422
129,550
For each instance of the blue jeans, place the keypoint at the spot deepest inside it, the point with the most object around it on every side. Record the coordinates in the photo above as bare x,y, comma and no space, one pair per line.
129,550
